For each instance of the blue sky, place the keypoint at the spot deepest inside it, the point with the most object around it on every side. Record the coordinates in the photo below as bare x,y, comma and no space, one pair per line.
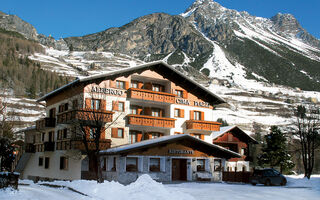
64,18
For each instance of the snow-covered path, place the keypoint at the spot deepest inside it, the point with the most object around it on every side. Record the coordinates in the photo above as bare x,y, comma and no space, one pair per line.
205,191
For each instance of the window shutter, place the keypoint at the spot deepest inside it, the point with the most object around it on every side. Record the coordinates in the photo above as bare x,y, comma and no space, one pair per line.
103,105
103,133
202,116
139,112
139,137
161,113
185,94
182,113
127,85
114,132
191,114
88,103
112,83
87,131
115,105
140,164
202,137
162,164
207,165
140,85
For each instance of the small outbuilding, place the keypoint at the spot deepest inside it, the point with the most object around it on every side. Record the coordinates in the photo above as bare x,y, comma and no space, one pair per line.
168,158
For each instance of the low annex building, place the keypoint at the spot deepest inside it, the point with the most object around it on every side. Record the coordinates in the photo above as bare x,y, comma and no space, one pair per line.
168,158
137,104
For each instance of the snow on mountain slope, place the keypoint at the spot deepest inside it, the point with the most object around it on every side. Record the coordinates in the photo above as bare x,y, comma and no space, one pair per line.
82,63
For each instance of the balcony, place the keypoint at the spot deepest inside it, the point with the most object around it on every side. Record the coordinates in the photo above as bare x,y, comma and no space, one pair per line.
87,115
48,146
201,126
30,148
78,144
150,95
143,120
44,123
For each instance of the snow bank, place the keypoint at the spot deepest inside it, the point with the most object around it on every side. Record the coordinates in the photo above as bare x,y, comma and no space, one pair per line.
144,188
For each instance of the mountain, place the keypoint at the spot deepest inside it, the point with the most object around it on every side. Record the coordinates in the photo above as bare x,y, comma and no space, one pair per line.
258,65
215,40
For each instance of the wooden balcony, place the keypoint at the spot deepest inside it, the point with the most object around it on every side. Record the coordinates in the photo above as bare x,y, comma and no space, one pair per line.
87,115
77,143
143,120
48,146
150,95
202,126
44,123
30,148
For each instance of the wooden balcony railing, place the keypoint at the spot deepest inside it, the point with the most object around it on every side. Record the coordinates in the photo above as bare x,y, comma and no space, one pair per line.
203,125
84,115
144,120
45,123
48,146
78,144
150,95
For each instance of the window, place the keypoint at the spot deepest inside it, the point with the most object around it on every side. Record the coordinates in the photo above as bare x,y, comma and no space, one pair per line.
40,163
46,162
217,165
131,164
121,106
65,133
117,132
178,112
75,104
179,93
92,132
42,137
134,84
95,104
66,106
243,151
156,112
120,84
154,135
157,88
154,164
104,164
197,115
133,137
114,164
197,136
63,163
200,165
134,110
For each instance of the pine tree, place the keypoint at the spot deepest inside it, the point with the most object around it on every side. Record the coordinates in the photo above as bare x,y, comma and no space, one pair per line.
274,152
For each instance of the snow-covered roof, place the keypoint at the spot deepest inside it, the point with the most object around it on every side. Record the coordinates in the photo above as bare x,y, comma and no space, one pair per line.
225,129
162,140
158,66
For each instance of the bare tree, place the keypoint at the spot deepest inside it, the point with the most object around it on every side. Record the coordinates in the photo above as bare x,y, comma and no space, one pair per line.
90,121
307,121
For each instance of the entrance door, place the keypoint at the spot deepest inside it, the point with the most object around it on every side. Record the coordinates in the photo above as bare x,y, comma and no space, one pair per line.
179,169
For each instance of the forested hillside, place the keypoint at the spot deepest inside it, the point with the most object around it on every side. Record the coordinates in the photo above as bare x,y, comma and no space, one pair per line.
17,72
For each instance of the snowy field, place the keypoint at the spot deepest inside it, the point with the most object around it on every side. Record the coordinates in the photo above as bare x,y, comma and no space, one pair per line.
297,188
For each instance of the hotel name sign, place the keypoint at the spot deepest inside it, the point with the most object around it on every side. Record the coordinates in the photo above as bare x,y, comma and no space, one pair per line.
109,91
195,103
180,151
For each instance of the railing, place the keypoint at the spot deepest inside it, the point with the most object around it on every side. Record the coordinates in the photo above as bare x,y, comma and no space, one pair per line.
144,120
203,125
84,115
45,123
30,148
48,146
78,144
150,95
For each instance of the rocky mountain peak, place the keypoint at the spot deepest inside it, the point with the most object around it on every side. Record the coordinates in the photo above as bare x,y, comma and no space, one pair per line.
286,23
14,23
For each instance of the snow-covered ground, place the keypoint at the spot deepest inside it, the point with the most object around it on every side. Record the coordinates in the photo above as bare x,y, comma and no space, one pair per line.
298,188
